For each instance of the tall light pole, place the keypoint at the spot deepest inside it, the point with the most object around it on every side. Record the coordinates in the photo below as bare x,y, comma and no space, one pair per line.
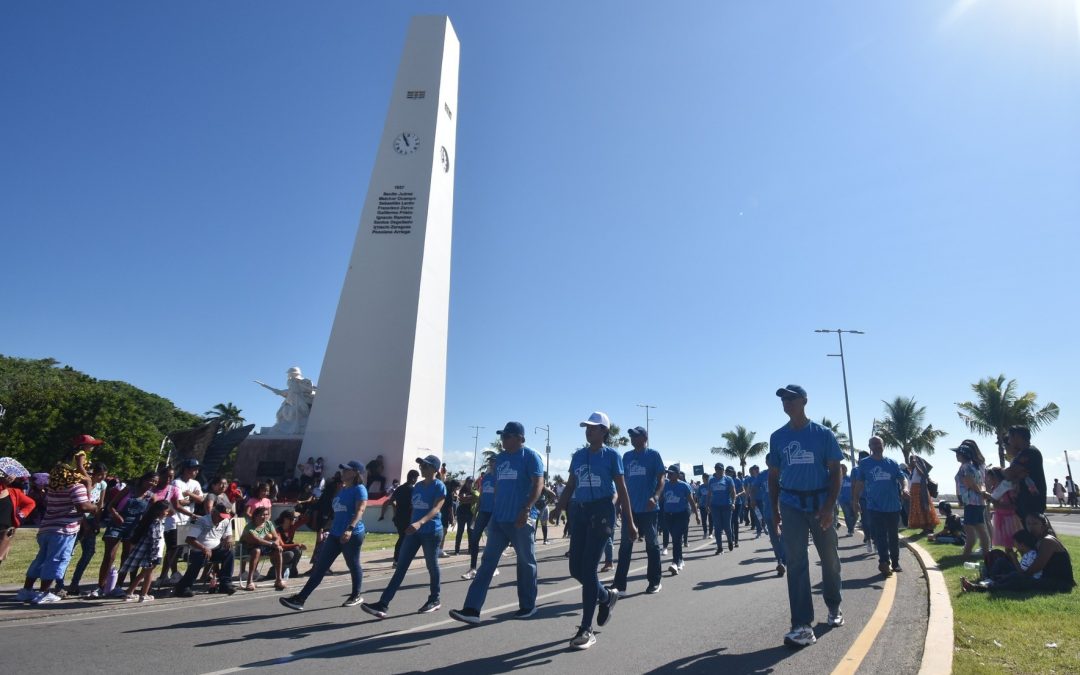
843,369
647,418
547,450
476,444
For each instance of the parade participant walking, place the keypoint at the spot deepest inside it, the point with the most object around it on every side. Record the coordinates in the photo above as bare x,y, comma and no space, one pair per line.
736,504
402,499
596,477
645,478
483,517
346,537
466,509
425,532
767,522
519,475
721,497
679,503
883,482
804,482
14,506
851,515
703,508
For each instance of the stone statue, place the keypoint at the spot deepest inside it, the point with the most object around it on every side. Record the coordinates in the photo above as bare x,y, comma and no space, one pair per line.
299,394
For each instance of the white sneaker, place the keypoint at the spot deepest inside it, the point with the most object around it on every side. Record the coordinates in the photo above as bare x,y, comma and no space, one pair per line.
836,620
25,594
663,552
583,640
131,598
496,572
469,575
45,598
869,547
673,568
800,636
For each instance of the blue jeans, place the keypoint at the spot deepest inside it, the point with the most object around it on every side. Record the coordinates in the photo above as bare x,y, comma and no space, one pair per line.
705,520
590,531
53,556
196,560
409,547
677,524
849,516
721,519
796,525
482,520
501,535
88,544
736,520
646,526
884,528
328,553
774,538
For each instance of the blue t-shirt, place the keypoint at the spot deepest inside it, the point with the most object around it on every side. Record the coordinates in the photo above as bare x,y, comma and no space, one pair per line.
802,456
514,473
845,490
703,495
643,470
487,493
676,497
856,476
881,484
721,490
739,499
764,500
345,507
594,473
424,497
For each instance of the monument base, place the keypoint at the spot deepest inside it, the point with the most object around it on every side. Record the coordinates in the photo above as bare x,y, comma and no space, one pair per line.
263,456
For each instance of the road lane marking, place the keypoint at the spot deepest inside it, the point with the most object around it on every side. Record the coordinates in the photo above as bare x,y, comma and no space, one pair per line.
861,647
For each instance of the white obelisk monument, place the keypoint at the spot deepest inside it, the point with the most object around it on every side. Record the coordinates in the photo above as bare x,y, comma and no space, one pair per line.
382,387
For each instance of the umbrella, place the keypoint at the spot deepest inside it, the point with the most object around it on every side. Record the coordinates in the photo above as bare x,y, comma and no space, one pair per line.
11,468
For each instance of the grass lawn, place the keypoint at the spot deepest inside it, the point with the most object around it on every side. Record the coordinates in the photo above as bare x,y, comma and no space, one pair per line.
23,550
1009,632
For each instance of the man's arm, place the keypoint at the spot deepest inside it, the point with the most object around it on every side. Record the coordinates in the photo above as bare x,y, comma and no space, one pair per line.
535,489
564,498
825,513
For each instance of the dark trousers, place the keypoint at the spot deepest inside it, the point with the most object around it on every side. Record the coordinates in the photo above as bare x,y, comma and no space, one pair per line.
328,553
646,527
721,517
88,544
706,520
197,559
400,526
477,531
464,521
885,530
736,520
590,531
677,524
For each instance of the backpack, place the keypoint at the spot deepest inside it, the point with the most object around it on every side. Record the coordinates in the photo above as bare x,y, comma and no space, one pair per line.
932,488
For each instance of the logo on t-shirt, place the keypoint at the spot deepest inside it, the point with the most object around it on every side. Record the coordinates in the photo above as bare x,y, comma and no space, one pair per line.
634,468
507,471
877,473
418,502
672,498
586,478
797,455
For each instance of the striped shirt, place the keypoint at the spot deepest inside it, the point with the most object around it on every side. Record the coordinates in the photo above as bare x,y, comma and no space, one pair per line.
60,513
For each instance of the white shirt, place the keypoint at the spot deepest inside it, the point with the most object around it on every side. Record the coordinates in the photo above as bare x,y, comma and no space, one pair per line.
183,486
207,533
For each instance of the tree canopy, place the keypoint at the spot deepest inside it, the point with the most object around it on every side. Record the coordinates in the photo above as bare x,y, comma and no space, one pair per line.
902,428
49,404
740,445
999,405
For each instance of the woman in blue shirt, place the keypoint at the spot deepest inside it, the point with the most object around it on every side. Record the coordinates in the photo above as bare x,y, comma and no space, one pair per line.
483,516
679,502
703,508
424,532
596,476
346,537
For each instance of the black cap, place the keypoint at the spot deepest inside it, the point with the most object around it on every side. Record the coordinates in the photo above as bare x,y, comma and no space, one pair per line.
791,390
512,429
638,431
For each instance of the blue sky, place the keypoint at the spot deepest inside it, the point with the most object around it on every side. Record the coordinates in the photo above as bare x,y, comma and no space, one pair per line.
654,204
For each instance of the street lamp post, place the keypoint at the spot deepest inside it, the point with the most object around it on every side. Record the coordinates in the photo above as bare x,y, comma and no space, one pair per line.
843,369
476,444
547,450
647,418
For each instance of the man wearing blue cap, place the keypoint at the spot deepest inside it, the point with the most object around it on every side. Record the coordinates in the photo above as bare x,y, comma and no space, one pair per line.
645,477
721,498
804,483
519,479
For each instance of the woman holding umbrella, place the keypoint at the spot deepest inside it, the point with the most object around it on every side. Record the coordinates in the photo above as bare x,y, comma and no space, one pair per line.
14,504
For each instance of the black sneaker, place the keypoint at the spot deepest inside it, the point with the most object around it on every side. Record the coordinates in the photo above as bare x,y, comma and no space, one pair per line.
352,601
227,589
524,613
654,588
603,615
583,640
292,602
377,610
429,607
183,593
467,615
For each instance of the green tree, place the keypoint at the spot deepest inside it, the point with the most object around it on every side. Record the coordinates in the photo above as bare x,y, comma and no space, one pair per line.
740,445
227,414
902,428
615,439
998,406
841,438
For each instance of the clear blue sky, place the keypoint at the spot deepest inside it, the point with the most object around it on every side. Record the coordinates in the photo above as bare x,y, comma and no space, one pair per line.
654,205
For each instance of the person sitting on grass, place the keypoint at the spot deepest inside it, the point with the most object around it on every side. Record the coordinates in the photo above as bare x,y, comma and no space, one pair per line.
1049,572
952,532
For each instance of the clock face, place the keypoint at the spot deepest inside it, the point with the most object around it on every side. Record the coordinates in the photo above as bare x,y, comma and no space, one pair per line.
406,143
445,160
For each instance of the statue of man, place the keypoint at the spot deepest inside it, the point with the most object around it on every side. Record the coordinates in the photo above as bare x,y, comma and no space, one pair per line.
299,394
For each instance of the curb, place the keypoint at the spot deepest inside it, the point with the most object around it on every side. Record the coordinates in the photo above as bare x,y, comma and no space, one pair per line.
938,647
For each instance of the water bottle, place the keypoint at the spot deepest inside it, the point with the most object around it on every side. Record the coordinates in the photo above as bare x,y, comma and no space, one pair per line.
974,567
110,581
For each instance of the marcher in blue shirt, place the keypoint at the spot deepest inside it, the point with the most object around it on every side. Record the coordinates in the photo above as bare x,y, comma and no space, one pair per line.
804,482
845,501
424,532
882,481
596,475
737,504
519,479
346,536
860,503
645,478
721,497
483,517
767,522
679,502
703,507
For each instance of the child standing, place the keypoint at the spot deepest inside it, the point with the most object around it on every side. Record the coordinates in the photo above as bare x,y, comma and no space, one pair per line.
73,466
148,540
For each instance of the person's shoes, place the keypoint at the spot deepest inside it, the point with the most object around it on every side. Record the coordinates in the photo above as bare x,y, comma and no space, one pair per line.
663,552
979,587
131,598
466,615
27,594
117,593
869,546
292,602
444,554
470,574
45,598
175,578
146,598
546,542
377,610
429,607
884,569
606,568
731,546
583,640
799,637
352,601
836,619
524,613
736,544
183,593
896,568
61,593
654,588
495,573
227,589
603,614
719,550
673,568
780,569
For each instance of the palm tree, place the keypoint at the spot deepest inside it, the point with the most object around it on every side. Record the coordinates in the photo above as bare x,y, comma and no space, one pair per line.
998,406
841,437
903,427
740,445
614,439
227,414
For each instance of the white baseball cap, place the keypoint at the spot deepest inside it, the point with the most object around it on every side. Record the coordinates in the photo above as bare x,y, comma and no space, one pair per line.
597,419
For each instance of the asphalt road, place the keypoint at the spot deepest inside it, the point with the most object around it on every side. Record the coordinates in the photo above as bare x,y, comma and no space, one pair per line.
722,614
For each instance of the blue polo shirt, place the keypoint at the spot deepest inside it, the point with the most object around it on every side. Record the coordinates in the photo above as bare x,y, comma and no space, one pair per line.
594,473
514,473
881,484
703,495
739,499
345,507
676,497
487,493
802,456
643,470
845,490
721,490
424,498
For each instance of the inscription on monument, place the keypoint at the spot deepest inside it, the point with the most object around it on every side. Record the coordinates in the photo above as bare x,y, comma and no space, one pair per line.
394,214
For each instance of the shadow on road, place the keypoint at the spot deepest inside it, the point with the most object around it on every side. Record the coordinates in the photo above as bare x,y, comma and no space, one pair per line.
718,661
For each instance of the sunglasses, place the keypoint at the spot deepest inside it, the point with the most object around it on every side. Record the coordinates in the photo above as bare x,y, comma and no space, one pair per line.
785,399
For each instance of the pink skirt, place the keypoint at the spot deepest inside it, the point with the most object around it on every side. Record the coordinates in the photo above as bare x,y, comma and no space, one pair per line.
1006,524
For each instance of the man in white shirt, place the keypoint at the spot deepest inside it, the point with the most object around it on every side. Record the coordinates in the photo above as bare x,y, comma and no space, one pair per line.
210,540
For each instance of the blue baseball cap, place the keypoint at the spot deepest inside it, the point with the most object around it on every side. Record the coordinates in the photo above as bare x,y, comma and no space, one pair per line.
352,466
430,460
638,431
791,390
512,429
